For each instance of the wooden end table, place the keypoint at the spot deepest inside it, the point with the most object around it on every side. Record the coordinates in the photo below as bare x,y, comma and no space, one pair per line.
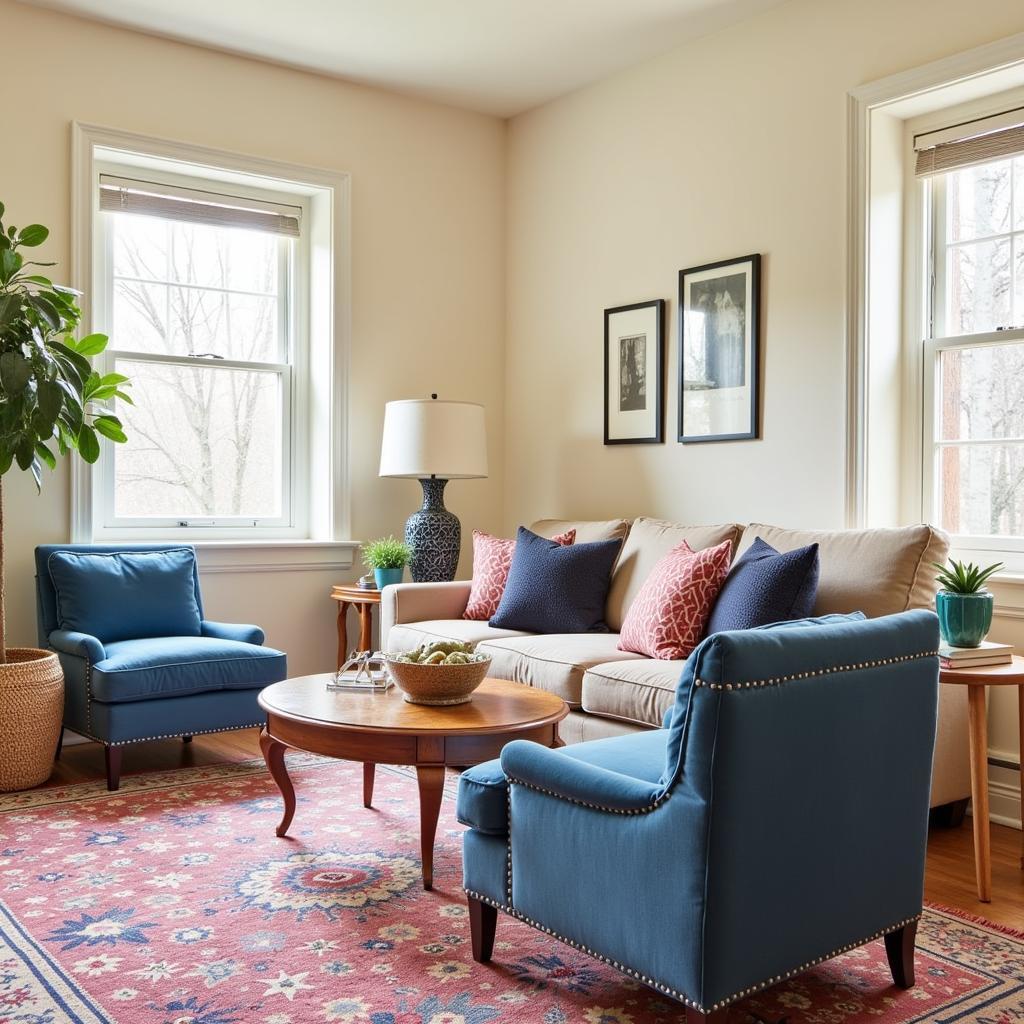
976,680
382,728
363,600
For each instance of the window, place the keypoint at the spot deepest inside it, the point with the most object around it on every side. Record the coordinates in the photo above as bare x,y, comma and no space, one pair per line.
200,287
974,354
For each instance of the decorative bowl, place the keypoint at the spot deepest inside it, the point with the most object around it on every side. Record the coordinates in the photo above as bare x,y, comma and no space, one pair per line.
437,684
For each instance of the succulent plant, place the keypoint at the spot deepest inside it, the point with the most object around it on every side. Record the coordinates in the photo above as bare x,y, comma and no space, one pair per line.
964,577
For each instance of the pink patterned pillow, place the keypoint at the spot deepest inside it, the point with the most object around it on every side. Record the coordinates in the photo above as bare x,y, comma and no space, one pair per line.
668,617
492,559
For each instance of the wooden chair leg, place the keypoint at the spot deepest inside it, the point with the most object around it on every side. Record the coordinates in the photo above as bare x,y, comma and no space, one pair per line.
186,739
112,755
60,744
483,920
899,948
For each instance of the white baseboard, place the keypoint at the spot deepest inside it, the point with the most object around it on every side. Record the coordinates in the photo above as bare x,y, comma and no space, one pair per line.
1004,803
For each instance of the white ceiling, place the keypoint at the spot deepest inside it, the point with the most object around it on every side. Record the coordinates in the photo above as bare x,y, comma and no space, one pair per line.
495,56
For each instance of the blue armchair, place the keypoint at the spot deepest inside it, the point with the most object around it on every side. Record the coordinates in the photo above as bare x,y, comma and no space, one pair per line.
140,661
778,820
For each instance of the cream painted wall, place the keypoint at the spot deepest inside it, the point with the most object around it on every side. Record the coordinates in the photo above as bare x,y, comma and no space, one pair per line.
427,260
733,144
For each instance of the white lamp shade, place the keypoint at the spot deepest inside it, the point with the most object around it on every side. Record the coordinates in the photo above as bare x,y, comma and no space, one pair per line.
424,438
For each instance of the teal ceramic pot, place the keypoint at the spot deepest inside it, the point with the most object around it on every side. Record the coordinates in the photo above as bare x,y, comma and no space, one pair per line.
964,619
385,577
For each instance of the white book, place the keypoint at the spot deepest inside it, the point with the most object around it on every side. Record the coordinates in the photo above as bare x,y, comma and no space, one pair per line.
987,649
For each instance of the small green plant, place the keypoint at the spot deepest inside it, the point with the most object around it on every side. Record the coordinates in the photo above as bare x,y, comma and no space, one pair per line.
964,577
386,553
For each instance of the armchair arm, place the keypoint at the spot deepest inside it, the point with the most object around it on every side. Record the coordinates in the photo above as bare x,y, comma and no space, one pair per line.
243,633
568,779
81,645
418,602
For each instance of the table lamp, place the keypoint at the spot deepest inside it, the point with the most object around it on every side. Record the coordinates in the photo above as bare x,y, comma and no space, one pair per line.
433,441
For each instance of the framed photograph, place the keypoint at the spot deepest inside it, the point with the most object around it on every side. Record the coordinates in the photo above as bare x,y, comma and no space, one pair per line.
719,350
633,381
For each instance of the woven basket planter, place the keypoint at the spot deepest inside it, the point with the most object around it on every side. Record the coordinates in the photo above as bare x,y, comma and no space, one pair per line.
31,710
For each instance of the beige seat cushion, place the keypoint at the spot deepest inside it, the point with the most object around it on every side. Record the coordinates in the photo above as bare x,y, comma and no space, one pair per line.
632,691
587,531
555,662
648,541
407,635
877,572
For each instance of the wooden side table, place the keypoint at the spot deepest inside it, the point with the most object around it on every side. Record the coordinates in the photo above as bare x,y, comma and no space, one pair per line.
363,600
976,679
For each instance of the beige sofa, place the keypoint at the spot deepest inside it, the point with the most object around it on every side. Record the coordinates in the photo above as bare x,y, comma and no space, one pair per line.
611,692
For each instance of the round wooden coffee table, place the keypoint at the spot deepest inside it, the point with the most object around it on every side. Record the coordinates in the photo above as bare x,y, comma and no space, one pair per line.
383,728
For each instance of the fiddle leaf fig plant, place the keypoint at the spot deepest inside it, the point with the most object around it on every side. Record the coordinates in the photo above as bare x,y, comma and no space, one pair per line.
52,401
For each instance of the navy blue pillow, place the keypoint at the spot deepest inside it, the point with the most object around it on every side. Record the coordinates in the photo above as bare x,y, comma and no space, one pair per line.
555,588
765,586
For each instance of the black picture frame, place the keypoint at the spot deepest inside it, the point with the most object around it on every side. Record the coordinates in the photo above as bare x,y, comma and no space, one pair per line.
719,374
643,391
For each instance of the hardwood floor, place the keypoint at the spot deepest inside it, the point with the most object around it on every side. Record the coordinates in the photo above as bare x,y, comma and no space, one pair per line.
950,872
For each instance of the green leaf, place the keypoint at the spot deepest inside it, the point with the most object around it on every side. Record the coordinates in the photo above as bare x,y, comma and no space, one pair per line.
10,264
34,234
114,378
91,344
43,282
6,458
110,427
10,308
2,211
15,370
47,310
88,444
25,453
46,455
80,363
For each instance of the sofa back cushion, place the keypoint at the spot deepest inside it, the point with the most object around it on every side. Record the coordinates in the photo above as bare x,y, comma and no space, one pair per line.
648,541
127,595
588,531
879,571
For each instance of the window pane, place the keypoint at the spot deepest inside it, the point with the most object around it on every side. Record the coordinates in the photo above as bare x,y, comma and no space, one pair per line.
222,297
981,489
217,257
978,287
982,393
978,201
230,325
202,441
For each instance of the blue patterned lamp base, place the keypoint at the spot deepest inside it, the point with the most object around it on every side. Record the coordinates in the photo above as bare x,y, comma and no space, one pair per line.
435,536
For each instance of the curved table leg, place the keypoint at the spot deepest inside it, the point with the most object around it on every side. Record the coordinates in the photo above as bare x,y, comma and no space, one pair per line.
273,754
431,783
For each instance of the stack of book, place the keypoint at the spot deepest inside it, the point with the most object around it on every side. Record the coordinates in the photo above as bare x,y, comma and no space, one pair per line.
989,653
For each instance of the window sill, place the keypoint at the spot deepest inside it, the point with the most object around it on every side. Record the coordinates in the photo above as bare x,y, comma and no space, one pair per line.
235,556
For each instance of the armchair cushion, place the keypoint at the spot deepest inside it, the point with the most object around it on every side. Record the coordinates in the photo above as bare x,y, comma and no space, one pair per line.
174,666
127,595
483,789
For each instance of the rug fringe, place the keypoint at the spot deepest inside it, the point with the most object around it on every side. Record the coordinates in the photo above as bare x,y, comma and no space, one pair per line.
976,919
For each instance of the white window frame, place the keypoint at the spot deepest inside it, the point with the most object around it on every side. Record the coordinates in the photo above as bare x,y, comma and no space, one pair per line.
931,209
317,533
292,365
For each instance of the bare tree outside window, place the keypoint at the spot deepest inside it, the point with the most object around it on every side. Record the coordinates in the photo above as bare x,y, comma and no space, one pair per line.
206,437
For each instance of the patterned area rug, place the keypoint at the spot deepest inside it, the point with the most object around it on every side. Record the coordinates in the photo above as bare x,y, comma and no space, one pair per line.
172,902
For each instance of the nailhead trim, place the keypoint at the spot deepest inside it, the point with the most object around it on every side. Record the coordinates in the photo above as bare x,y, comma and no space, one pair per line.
777,680
667,989
167,735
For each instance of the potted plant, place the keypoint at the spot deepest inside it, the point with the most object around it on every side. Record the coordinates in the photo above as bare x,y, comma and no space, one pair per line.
51,403
387,558
963,604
